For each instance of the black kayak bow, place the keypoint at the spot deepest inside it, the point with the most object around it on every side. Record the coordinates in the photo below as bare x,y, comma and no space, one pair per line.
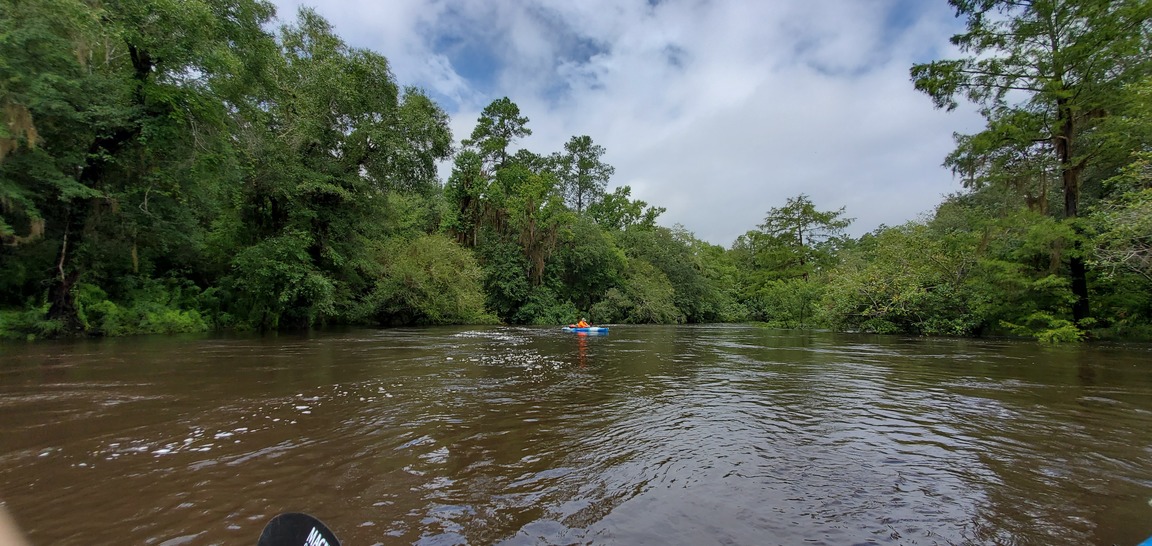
296,529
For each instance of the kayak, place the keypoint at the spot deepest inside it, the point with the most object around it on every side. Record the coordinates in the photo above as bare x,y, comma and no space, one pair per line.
296,529
588,330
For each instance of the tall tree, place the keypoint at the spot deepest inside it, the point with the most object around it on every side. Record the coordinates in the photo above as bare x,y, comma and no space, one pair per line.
499,126
41,74
1045,73
791,236
1124,220
591,262
583,174
531,211
474,193
335,137
463,195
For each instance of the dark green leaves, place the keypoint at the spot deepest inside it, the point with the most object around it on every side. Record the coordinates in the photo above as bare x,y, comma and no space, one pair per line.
499,126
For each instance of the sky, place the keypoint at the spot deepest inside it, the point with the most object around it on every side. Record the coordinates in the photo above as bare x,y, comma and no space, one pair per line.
717,110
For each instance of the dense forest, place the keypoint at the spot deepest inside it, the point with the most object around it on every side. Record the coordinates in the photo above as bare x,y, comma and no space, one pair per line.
175,166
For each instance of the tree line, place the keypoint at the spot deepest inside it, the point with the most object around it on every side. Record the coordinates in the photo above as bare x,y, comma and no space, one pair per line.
173,166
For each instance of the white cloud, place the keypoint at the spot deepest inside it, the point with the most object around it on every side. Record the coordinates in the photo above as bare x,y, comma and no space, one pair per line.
717,111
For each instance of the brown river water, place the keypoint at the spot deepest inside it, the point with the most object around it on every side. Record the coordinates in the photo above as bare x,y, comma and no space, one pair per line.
518,436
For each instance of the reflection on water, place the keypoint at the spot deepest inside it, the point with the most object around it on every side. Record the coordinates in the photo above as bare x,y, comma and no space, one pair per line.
651,435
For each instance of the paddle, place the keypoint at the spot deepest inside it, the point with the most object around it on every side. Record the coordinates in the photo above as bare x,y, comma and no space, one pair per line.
296,529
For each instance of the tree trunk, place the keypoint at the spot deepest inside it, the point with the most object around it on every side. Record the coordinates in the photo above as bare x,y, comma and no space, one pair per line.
62,305
1070,175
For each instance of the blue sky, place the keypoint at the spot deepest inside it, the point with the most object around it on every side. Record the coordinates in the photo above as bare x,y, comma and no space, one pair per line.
715,110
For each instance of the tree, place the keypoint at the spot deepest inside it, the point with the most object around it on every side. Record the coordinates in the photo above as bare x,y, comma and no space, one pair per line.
42,84
499,126
1124,241
122,113
903,279
775,261
618,211
792,235
644,297
1045,73
335,136
682,258
506,283
533,213
583,175
590,262
475,193
464,193
428,280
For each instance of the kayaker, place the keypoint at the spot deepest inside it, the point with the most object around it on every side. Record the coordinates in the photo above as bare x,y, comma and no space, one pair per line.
582,324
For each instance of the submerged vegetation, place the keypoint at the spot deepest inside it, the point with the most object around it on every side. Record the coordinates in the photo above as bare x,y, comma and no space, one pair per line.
176,167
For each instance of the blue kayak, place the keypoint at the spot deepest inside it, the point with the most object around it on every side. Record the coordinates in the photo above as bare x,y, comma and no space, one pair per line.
588,330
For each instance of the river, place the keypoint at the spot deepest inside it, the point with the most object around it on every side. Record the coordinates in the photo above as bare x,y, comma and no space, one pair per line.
517,436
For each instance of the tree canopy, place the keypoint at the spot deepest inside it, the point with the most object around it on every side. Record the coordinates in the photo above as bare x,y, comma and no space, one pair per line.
175,166
1045,74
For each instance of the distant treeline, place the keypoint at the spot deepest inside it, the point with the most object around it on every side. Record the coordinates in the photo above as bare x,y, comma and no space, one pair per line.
173,166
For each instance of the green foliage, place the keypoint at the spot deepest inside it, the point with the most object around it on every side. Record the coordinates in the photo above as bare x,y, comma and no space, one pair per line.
617,211
342,160
154,307
171,166
645,297
407,214
583,175
590,261
534,214
428,280
544,306
792,240
791,303
776,263
506,284
1020,270
29,324
1046,75
499,126
275,284
131,103
683,261
962,273
1047,328
1122,249
905,279
148,306
41,80
463,196
1123,241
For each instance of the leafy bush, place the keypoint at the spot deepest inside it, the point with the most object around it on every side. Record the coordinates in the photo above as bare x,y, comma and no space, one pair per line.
1047,328
904,279
645,297
28,324
785,303
428,280
155,307
275,284
545,307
